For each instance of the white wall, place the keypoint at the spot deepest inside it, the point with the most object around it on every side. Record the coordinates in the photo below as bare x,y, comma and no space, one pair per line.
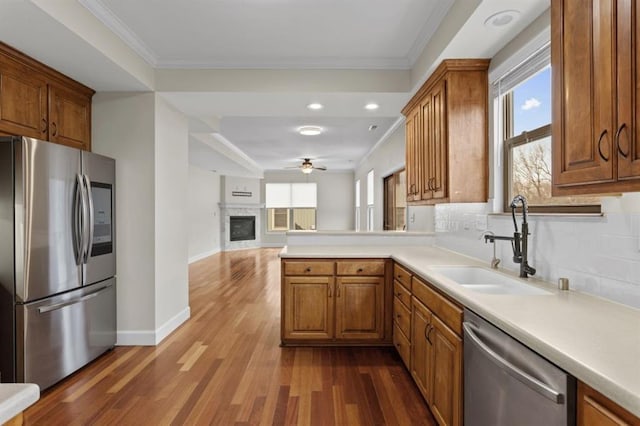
234,183
388,157
203,213
148,139
335,209
123,128
171,180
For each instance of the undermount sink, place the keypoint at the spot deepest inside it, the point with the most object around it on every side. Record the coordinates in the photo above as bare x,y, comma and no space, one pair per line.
486,281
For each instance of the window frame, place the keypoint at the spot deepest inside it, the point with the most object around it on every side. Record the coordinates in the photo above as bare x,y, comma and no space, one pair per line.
290,219
510,141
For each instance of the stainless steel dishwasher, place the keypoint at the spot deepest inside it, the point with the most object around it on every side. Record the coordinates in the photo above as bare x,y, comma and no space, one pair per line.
506,383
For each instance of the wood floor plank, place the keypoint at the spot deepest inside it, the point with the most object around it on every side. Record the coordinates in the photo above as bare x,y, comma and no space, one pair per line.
225,366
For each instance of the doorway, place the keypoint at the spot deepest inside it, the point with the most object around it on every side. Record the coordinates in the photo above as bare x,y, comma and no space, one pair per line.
395,202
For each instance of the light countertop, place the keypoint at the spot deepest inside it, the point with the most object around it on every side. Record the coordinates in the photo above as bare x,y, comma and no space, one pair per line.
593,339
15,398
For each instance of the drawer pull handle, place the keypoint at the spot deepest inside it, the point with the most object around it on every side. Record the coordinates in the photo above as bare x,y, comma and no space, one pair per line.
308,269
360,270
54,127
45,126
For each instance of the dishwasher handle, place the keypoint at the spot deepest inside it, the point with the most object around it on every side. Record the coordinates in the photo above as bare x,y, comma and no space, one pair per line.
533,383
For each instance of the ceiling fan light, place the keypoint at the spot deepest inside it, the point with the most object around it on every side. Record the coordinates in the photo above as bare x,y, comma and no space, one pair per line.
306,170
310,130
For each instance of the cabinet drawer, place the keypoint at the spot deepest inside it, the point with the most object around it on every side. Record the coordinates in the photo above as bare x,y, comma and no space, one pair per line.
308,268
448,312
401,343
402,275
401,293
360,267
402,316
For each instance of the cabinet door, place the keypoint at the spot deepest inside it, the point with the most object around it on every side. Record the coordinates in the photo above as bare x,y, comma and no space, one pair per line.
421,348
627,138
427,148
583,66
439,137
446,401
23,100
360,308
595,409
69,118
308,307
413,155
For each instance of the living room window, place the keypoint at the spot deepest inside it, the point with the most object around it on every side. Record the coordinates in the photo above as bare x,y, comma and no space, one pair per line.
524,104
291,206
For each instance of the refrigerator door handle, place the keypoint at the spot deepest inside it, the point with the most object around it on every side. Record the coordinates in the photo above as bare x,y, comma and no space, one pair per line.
91,220
50,308
78,220
533,383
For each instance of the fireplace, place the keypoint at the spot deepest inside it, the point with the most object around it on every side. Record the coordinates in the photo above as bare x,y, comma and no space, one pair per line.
242,228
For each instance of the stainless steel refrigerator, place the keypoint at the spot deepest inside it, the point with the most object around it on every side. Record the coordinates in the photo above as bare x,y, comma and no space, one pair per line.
57,259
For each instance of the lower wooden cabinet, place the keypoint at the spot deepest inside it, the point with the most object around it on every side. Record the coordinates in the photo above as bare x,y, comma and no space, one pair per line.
421,348
308,311
336,302
446,398
435,356
359,307
595,409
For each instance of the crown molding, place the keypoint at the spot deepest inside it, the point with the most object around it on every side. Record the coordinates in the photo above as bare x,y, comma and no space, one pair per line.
111,21
428,30
306,63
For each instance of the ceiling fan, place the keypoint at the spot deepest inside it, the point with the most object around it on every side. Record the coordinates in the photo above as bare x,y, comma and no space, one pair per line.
307,166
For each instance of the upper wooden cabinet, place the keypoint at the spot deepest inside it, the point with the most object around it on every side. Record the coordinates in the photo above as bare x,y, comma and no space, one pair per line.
38,102
446,135
594,57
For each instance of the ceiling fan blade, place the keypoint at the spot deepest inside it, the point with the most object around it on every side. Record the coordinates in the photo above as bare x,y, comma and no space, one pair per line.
292,167
320,168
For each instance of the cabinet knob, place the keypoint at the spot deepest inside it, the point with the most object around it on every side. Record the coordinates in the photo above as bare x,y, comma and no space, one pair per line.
308,269
360,270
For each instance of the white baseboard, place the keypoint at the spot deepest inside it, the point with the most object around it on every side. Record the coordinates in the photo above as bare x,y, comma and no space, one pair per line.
273,245
150,337
136,338
168,327
203,255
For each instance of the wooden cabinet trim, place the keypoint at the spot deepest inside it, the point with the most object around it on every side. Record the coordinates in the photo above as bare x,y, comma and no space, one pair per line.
402,317
449,312
402,294
448,65
308,267
402,275
50,73
360,267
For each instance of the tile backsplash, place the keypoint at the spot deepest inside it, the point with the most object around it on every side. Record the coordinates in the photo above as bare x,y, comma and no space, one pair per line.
600,255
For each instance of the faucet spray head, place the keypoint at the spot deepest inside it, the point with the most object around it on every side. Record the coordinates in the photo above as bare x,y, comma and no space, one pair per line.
514,204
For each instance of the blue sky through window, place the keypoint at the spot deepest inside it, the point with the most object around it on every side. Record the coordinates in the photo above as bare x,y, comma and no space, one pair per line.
532,102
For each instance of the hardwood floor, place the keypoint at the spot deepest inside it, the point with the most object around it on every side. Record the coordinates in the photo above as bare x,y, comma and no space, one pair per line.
225,366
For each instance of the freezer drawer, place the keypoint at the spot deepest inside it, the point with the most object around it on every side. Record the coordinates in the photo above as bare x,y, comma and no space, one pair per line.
59,335
506,383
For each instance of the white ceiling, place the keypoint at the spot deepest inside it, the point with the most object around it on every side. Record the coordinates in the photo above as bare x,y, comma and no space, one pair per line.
372,34
274,142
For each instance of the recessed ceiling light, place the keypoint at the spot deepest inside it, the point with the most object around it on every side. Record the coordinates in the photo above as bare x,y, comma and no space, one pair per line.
373,127
315,106
501,19
371,106
310,130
